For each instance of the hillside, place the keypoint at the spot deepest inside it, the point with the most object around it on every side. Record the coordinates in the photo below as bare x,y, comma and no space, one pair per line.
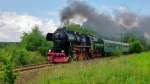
132,69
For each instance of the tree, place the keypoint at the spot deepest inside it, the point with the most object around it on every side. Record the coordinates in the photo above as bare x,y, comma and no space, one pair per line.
136,47
80,29
35,41
135,41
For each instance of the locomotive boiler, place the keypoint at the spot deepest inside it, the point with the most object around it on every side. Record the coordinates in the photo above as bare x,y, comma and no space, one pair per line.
69,45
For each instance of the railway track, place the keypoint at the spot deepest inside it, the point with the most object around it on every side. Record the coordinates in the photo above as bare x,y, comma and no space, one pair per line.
31,67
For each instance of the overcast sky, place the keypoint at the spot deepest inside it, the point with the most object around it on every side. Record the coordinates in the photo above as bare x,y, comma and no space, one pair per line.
18,16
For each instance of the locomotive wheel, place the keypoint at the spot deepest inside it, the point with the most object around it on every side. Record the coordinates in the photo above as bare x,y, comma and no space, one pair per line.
81,56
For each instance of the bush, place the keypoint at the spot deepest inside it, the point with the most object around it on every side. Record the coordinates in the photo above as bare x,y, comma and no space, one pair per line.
6,53
35,41
134,40
45,47
136,47
8,76
20,56
36,58
2,55
116,53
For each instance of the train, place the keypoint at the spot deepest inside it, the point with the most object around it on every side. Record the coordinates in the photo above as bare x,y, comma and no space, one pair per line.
70,45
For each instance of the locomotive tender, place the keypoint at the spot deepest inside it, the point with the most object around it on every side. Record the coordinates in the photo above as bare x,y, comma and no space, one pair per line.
73,45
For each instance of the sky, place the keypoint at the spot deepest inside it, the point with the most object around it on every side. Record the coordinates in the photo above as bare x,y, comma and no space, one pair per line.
51,8
18,16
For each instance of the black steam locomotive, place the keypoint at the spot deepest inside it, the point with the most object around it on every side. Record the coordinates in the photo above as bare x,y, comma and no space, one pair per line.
74,45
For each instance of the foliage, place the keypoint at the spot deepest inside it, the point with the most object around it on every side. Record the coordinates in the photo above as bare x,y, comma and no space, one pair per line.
6,53
20,56
36,58
2,56
8,75
29,51
35,41
136,47
78,28
131,39
116,53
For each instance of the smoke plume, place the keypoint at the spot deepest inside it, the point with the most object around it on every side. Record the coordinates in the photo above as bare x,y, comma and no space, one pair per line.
122,21
76,8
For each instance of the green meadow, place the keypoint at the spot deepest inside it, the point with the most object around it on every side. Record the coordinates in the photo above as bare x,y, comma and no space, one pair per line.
131,69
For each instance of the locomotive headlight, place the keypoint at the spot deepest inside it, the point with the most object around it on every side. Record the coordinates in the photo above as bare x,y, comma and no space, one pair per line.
62,51
49,50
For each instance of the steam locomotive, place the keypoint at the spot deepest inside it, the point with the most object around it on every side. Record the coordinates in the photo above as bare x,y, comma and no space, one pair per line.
69,45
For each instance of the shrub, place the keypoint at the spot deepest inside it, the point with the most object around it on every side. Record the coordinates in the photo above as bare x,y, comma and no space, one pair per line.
8,76
36,58
20,56
17,53
136,47
116,53
5,53
45,47
35,41
2,55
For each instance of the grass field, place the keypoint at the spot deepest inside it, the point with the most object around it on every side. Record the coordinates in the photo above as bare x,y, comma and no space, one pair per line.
133,69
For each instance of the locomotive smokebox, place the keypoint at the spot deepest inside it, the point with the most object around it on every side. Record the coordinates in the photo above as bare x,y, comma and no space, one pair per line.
49,37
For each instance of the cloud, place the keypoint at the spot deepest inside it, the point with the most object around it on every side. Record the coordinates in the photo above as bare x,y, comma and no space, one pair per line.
12,25
54,13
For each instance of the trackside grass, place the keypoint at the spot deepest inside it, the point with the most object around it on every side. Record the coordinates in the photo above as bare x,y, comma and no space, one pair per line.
133,69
